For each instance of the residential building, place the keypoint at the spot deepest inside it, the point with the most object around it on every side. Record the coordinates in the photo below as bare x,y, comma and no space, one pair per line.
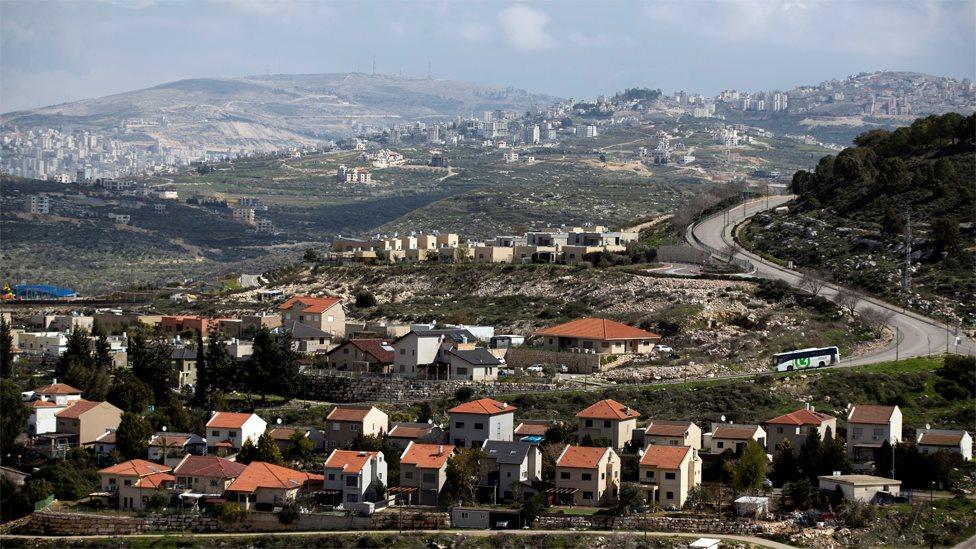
87,420
323,313
796,427
57,393
265,486
672,433
959,442
597,335
512,469
38,204
105,444
134,482
868,427
420,353
533,430
282,436
363,355
357,476
608,420
206,475
170,448
863,488
403,433
307,339
345,422
587,476
227,431
672,471
184,361
474,422
424,468
730,436
185,325
476,364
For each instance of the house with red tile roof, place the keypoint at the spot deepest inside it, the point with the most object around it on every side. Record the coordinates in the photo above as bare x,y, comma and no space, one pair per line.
323,313
586,476
134,482
346,421
472,423
423,467
171,448
534,428
796,426
57,393
930,441
362,355
868,426
609,420
282,435
403,433
355,476
733,436
265,486
669,473
672,433
43,416
87,420
597,335
206,476
227,431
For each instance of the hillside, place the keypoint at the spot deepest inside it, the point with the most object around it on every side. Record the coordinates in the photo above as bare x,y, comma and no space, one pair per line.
273,112
850,219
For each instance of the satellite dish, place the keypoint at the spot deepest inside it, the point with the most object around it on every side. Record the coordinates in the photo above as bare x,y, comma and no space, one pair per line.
279,421
927,426
164,428
723,417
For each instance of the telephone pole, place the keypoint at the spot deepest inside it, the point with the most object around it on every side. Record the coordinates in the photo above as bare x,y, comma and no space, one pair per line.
906,281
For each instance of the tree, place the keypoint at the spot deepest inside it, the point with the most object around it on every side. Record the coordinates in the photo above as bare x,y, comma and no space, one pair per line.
132,436
463,394
629,498
6,349
426,413
957,377
811,455
75,364
268,450
848,299
533,507
835,456
100,379
301,447
798,494
812,282
129,393
272,366
892,223
202,388
883,460
13,420
875,319
945,236
749,470
221,368
310,255
151,362
177,415
785,467
462,471
365,299
248,452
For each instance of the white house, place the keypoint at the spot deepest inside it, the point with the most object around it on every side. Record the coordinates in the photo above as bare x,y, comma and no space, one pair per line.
943,440
472,423
358,476
227,431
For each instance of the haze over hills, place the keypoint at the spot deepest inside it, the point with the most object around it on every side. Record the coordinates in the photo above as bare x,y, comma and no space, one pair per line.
272,112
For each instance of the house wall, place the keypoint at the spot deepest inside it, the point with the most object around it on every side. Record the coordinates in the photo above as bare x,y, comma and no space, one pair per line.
428,488
797,435
601,487
331,321
496,427
873,433
252,429
673,492
93,423
693,438
618,432
43,420
411,351
860,492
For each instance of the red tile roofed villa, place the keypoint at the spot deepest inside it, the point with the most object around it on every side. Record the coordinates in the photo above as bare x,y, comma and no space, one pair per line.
423,470
610,420
324,313
266,486
796,426
597,335
586,476
134,481
206,475
472,423
363,355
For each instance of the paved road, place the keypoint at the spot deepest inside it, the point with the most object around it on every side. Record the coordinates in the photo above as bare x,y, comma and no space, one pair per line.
474,533
917,334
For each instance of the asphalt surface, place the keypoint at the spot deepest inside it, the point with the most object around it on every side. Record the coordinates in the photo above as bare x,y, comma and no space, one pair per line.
917,335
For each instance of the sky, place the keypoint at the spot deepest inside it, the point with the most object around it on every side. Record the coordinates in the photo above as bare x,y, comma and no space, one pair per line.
52,52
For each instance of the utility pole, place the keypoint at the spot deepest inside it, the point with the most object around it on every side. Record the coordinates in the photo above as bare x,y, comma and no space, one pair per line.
906,281
897,341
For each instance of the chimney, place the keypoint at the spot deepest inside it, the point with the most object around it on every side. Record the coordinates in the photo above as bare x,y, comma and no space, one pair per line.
806,406
440,449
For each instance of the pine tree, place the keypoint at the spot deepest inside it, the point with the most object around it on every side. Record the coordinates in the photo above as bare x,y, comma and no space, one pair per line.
248,453
221,369
811,455
268,450
202,388
749,471
177,414
102,364
785,468
132,436
76,364
6,350
151,362
883,460
835,457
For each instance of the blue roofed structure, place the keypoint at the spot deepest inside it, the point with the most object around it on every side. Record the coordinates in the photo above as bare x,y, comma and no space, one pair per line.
42,291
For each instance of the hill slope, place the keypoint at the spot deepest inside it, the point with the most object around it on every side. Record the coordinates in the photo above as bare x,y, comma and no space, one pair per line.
274,111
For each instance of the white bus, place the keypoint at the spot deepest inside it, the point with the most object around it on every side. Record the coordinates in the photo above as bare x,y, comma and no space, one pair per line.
805,358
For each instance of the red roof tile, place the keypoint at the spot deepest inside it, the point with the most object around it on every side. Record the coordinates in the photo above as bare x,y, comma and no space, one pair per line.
349,461
209,466
135,468
483,406
659,428
664,457
57,389
76,408
312,304
581,457
43,404
802,416
426,456
941,439
259,474
349,413
870,413
379,349
608,409
597,328
409,431
228,420
532,429
734,432
154,480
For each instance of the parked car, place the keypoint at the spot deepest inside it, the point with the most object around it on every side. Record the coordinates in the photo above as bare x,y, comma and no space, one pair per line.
535,369
562,369
663,348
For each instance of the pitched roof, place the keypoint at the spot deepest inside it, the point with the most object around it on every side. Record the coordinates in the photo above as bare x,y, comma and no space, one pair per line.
304,331
528,428
483,407
183,353
228,420
379,349
479,356
312,304
597,328
803,416
581,457
169,440
457,335
664,457
349,413
942,438
870,413
154,480
608,409
259,474
282,433
507,452
349,461
734,432
427,456
43,404
208,466
108,437
77,407
409,430
58,389
135,468
661,428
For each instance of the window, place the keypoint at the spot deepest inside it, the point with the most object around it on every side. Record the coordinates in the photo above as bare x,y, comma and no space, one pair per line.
587,476
720,444
858,431
479,426
331,476
462,371
335,426
673,442
352,481
459,425
231,434
331,318
588,495
669,495
564,475
464,515
603,476
430,477
606,423
779,430
669,476
650,474
111,481
588,423
127,482
354,427
408,474
878,433
352,498
215,433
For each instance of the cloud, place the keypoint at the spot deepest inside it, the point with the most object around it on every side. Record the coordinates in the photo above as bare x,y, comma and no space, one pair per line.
525,28
475,33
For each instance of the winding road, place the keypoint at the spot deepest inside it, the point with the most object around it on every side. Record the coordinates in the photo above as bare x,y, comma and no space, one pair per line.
917,335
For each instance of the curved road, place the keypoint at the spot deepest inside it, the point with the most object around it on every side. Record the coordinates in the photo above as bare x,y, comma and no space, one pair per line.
917,335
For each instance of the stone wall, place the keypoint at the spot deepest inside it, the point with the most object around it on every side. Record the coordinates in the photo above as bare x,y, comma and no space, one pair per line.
578,363
91,524
710,525
331,387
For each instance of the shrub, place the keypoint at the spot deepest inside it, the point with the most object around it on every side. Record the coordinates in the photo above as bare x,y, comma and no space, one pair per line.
231,512
365,299
288,514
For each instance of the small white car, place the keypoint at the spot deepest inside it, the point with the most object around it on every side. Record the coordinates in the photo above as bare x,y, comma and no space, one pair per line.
535,369
563,369
663,348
